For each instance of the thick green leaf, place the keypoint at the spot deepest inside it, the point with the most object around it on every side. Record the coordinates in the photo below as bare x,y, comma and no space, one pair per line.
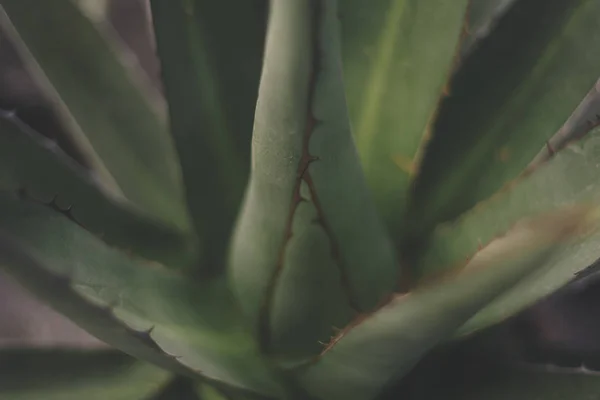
211,55
99,321
398,55
128,303
35,167
34,374
570,177
111,118
378,348
510,96
309,248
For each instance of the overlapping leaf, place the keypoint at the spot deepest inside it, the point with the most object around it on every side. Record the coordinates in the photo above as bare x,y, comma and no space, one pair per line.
35,167
138,307
398,55
379,348
510,96
110,118
570,177
211,55
309,248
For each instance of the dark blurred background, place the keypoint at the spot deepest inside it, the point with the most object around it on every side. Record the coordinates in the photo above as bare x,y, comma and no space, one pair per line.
563,328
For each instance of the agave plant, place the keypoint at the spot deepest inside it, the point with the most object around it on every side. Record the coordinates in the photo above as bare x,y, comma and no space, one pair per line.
335,197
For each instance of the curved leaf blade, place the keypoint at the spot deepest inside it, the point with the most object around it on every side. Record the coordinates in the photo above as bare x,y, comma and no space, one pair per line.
397,56
569,178
98,321
32,374
378,348
333,256
124,301
35,167
510,96
211,59
111,119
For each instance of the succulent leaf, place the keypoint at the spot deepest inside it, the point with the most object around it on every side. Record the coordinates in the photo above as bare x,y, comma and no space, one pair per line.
110,118
309,247
395,71
510,96
211,59
99,321
380,347
123,301
332,263
570,177
35,167
33,374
